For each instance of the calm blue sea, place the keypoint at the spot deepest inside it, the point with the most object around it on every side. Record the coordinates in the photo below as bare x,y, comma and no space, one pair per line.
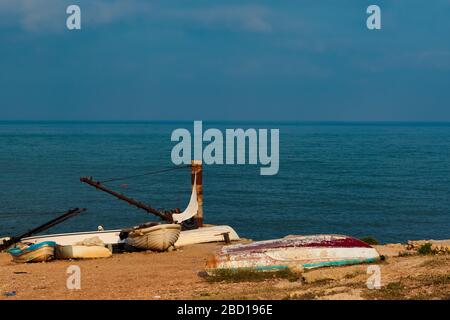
387,180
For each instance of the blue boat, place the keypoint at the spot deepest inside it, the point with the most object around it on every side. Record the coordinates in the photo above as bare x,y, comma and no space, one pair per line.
39,252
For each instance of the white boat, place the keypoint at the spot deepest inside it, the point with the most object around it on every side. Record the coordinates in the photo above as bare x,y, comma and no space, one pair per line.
81,252
156,238
294,252
205,235
39,252
111,237
3,240
69,239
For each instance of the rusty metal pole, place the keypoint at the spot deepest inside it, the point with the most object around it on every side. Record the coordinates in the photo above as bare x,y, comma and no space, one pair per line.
196,168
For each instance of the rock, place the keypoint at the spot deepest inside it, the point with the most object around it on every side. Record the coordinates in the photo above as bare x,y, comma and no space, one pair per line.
9,293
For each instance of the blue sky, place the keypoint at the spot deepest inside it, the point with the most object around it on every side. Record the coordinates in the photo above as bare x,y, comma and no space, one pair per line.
225,60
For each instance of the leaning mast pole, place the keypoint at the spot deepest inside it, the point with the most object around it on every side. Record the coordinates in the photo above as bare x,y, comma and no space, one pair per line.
131,201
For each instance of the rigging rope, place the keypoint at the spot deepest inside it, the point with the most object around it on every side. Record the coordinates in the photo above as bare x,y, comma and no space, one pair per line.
31,213
146,174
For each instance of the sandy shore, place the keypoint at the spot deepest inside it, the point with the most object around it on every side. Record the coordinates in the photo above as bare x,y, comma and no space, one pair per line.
175,275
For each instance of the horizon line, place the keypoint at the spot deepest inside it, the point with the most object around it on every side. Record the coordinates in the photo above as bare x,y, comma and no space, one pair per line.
233,121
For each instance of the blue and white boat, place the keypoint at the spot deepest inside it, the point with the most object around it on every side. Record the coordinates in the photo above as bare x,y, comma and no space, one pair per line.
39,252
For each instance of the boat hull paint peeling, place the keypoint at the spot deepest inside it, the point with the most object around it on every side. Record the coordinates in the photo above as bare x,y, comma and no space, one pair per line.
300,252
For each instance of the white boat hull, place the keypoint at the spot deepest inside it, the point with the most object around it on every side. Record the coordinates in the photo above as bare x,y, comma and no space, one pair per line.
69,239
81,252
205,235
157,238
111,237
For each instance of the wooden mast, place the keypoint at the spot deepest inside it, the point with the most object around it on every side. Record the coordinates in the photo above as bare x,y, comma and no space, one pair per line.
131,201
196,170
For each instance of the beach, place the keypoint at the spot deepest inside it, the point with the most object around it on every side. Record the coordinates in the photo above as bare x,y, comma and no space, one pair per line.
180,274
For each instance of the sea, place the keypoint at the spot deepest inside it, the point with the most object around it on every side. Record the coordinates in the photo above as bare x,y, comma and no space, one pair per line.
387,180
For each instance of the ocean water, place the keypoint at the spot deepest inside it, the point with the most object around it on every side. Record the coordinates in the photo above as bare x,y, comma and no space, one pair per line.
386,180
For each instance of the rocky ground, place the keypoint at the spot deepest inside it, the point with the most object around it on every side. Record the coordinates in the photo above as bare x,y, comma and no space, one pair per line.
404,274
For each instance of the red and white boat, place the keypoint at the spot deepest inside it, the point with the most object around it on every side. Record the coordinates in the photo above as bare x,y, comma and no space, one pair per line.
294,251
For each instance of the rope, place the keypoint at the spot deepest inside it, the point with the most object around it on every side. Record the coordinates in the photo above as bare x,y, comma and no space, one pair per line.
39,213
146,174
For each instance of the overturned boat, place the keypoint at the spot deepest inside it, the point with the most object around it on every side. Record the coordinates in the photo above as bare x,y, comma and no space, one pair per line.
81,252
294,252
39,252
206,235
90,248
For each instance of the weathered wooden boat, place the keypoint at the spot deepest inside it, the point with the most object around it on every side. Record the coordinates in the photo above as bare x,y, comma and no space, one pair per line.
206,234
82,252
39,252
294,252
156,238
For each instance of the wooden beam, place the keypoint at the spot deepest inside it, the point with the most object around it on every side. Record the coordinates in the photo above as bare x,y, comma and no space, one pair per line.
131,201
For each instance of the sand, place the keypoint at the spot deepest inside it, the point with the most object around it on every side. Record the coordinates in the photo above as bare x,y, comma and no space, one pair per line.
178,275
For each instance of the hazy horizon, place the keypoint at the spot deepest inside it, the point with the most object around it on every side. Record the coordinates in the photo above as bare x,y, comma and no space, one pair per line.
318,122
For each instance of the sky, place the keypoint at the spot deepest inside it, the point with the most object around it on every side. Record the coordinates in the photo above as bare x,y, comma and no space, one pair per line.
311,60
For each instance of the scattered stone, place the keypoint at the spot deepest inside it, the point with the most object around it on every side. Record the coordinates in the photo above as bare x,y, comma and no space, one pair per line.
9,293
40,288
